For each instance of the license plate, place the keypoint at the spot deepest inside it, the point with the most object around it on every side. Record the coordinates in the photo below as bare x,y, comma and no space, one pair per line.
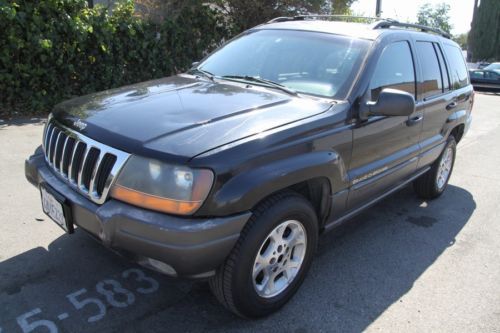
55,209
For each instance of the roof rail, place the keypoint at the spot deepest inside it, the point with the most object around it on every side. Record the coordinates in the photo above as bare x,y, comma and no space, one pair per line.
321,16
379,23
383,24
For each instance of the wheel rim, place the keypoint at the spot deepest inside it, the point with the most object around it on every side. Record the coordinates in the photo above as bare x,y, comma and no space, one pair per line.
279,259
444,169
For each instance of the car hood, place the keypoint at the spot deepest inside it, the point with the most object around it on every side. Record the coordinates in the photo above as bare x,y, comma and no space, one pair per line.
182,116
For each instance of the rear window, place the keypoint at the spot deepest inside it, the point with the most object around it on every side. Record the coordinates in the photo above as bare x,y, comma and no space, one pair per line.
458,71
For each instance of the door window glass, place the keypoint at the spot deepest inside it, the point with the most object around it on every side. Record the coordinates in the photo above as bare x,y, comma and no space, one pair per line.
432,83
444,67
492,75
394,70
477,75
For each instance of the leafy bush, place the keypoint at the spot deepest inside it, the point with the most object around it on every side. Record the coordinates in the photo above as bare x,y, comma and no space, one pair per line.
54,49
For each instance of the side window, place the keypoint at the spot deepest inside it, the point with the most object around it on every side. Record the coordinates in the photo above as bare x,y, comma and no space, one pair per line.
492,75
458,71
432,81
444,67
394,70
477,74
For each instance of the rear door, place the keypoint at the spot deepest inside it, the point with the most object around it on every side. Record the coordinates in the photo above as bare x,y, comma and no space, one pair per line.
445,92
435,96
385,149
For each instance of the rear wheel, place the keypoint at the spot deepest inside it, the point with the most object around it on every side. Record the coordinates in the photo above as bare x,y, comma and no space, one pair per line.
433,183
271,258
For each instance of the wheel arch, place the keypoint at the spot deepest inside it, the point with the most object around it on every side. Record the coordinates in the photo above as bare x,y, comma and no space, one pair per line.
315,175
458,132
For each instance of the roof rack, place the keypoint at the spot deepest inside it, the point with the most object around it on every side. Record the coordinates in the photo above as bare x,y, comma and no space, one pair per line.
320,16
379,23
384,24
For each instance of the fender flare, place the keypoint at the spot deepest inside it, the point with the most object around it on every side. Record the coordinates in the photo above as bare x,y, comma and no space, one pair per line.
247,189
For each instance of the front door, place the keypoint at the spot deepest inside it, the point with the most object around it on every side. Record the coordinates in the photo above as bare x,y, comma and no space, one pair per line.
385,149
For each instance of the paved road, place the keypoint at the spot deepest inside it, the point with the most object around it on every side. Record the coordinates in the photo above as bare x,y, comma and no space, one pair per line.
404,265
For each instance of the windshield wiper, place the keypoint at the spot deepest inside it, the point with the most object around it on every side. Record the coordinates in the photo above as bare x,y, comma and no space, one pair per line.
263,81
205,73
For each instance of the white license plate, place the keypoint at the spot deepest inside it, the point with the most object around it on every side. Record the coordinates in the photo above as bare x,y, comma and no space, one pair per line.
53,208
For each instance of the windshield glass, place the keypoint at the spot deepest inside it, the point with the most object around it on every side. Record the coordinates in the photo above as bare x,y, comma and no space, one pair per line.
493,66
313,63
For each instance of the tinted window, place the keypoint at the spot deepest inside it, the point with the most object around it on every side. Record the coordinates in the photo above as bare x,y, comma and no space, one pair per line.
432,84
477,75
458,71
394,70
492,75
444,67
312,63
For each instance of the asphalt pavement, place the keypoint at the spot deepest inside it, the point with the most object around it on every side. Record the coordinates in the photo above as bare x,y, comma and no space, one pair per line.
405,265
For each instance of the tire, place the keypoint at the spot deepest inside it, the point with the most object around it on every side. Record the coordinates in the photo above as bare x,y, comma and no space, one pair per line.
428,186
234,284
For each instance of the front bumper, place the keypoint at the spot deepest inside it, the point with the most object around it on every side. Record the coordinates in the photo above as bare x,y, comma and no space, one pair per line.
193,247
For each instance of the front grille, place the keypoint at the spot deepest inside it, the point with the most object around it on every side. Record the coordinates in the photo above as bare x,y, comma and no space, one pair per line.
86,165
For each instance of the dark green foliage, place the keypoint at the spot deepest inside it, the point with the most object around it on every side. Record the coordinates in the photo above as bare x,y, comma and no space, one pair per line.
435,16
461,40
244,14
54,49
484,37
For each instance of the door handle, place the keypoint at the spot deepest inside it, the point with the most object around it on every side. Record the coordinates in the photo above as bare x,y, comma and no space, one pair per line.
452,105
414,120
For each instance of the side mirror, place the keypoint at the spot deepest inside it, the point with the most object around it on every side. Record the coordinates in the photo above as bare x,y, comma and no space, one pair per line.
195,64
392,102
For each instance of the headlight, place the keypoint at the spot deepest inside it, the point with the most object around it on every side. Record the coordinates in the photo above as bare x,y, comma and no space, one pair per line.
162,187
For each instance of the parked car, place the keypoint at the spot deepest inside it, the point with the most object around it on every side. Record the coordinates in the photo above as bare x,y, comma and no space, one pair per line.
483,79
231,171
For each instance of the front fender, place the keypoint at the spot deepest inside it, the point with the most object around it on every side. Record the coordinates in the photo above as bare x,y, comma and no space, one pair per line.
245,190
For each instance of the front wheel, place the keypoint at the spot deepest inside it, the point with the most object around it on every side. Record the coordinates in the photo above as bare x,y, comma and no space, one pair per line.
433,183
271,258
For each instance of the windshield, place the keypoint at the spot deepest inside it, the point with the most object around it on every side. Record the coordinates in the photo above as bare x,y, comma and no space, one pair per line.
307,62
493,66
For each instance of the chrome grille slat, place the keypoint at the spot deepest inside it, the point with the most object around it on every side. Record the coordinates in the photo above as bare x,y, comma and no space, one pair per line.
70,167
63,156
56,148
50,145
46,137
80,170
93,177
65,159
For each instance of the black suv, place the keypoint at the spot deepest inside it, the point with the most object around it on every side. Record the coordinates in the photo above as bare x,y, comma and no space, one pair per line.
231,171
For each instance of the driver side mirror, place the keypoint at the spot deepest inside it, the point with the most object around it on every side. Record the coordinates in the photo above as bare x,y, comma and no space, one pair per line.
391,103
195,64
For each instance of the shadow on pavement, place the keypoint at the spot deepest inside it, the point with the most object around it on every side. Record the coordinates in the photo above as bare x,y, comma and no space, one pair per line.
22,121
361,269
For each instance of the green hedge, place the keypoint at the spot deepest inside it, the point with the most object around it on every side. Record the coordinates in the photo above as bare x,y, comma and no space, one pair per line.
52,50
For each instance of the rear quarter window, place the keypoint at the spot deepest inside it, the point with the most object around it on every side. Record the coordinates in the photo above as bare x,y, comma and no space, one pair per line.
457,68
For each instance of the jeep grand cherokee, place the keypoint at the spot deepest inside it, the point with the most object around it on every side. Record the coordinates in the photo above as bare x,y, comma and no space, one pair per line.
231,171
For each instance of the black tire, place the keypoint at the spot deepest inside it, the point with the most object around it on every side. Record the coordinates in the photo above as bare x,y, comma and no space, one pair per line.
233,284
426,186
